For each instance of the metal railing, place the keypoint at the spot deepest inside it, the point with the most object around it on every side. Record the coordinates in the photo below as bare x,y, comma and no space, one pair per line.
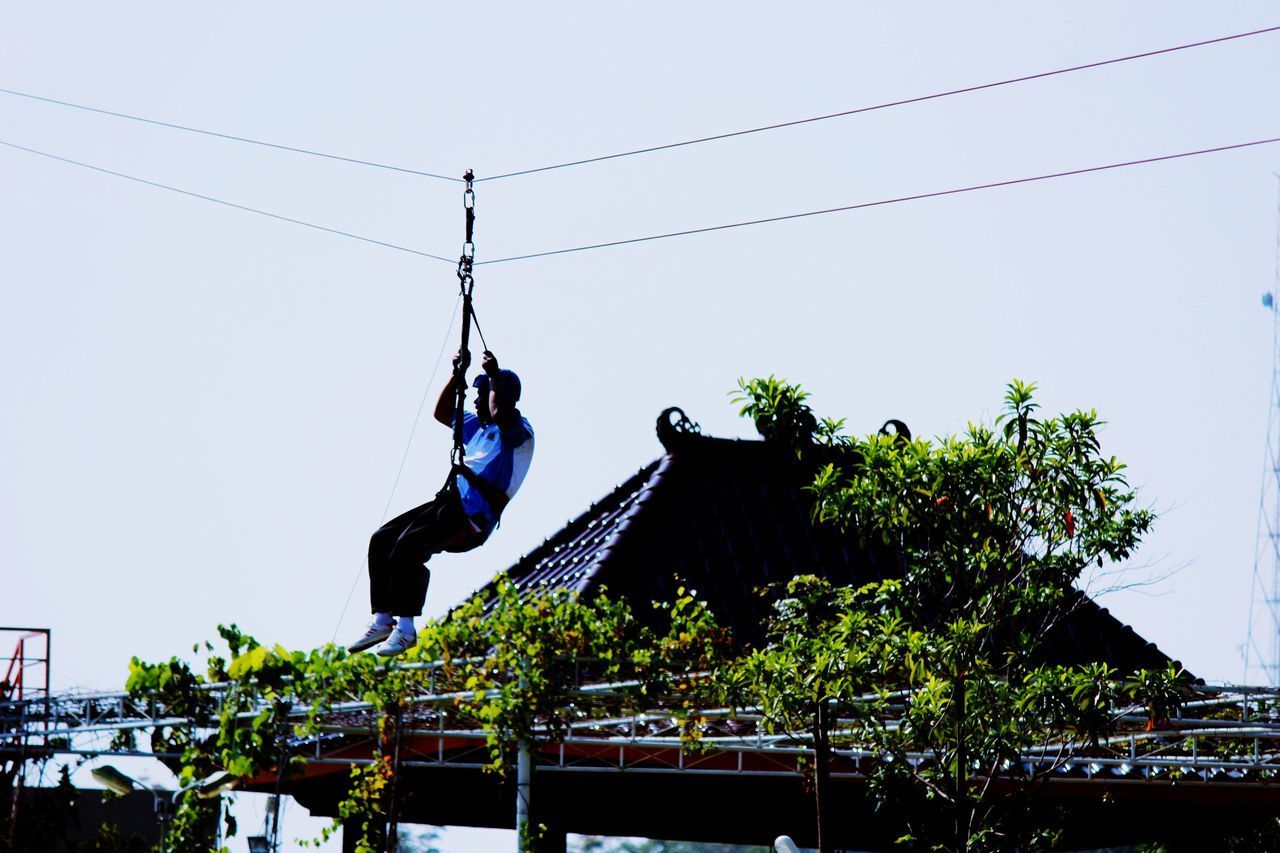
1228,734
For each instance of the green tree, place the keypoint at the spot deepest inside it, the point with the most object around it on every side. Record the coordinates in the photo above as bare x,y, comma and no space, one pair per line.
940,672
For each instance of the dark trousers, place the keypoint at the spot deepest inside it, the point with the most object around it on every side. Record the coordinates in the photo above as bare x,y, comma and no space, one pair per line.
397,577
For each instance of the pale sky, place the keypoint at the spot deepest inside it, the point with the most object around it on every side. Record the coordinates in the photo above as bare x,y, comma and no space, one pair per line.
205,409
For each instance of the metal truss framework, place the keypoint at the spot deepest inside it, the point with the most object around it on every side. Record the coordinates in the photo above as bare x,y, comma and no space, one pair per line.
25,673
1227,736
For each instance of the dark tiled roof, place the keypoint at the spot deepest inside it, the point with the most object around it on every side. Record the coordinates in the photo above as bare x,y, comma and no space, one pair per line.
1092,633
570,558
726,517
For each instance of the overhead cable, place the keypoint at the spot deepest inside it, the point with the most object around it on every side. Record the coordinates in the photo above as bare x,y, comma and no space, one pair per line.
232,137
936,95
881,202
226,203
654,148
652,237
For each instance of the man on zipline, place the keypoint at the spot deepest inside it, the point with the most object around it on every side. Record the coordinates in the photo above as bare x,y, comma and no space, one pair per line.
499,447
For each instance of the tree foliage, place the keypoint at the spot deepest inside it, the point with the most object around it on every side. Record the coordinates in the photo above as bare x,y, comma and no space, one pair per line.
941,674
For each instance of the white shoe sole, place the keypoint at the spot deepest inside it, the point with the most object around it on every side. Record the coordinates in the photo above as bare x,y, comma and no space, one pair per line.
391,653
368,642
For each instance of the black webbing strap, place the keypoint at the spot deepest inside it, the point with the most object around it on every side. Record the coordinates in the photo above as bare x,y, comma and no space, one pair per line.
467,283
493,496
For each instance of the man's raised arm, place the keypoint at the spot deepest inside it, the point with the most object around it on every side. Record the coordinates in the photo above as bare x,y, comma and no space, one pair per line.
448,394
502,394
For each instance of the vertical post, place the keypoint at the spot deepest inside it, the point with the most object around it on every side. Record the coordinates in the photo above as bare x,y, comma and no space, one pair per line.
393,831
524,778
282,765
48,674
273,840
22,667
962,769
524,781
21,774
821,775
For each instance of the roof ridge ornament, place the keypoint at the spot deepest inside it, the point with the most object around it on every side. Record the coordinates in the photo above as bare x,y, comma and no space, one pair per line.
674,425
900,430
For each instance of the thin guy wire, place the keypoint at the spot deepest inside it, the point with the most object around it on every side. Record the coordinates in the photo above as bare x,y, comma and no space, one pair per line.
879,203
233,204
229,136
919,99
417,418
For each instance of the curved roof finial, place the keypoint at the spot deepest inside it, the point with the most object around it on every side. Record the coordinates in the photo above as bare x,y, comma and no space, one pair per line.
673,425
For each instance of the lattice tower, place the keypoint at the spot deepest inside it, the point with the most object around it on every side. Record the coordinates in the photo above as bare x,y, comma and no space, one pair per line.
1262,644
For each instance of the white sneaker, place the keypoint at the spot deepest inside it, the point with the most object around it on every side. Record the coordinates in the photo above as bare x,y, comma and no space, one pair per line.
396,644
375,634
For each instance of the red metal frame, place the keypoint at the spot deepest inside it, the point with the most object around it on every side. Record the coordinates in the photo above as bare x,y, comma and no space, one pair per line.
16,684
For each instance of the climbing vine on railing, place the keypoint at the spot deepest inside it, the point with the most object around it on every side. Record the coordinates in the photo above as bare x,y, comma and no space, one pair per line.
511,666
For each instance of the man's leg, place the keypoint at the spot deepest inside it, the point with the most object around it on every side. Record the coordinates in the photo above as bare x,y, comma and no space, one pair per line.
382,564
385,573
432,525
398,577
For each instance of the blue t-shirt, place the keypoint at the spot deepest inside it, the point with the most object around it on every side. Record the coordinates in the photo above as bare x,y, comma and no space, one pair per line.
501,456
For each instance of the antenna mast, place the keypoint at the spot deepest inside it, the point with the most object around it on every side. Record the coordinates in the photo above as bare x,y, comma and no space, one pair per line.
1262,644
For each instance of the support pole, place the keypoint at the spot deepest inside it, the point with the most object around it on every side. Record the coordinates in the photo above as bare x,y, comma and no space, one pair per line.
282,763
393,823
20,776
822,774
524,781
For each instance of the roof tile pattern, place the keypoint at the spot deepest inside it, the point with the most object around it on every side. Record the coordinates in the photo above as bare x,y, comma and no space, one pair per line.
728,517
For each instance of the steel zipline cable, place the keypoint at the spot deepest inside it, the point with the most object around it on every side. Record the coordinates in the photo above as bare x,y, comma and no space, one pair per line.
229,136
225,203
687,232
654,148
882,202
884,106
